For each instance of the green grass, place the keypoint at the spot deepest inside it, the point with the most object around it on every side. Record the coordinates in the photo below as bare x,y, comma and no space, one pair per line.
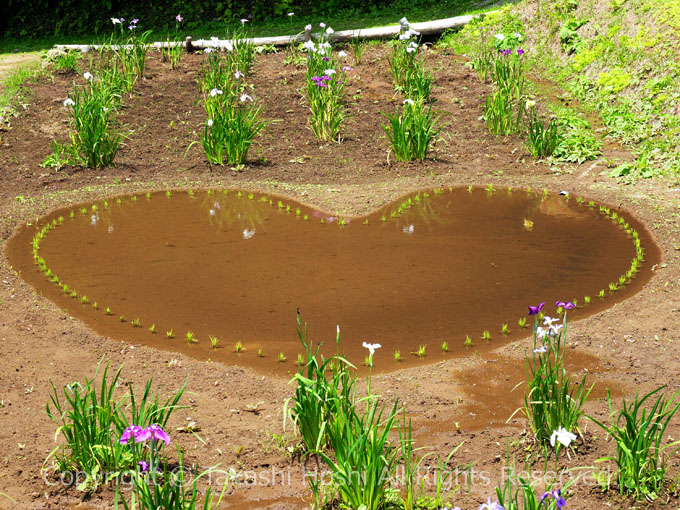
13,91
339,20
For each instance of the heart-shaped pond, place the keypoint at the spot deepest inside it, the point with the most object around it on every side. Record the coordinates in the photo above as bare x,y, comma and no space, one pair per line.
438,266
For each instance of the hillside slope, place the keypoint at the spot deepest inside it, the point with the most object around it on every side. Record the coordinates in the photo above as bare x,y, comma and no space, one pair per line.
619,58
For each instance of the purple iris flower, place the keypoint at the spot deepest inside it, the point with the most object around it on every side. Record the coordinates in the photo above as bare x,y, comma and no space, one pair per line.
534,310
520,51
132,432
325,59
567,306
144,465
156,433
557,496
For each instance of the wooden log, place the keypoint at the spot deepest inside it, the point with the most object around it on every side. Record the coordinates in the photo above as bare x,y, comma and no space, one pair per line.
427,28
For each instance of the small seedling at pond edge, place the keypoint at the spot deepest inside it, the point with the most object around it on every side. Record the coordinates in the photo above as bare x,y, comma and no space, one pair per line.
170,334
239,346
134,198
121,318
366,222
74,294
213,341
368,361
65,289
259,353
522,323
397,355
421,351
72,214
586,300
95,306
83,300
445,346
470,189
504,329
305,217
191,339
528,224
297,211
152,329
136,323
108,311
168,193
591,204
601,294
486,335
282,357
612,287
148,196
300,360
468,341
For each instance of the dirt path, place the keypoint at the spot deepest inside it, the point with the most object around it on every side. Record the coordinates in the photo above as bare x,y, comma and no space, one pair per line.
9,62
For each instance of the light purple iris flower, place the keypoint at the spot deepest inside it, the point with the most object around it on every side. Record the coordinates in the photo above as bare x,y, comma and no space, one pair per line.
179,18
520,51
567,306
144,465
535,310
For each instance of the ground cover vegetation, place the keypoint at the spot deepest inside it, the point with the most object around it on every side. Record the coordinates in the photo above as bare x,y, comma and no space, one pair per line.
609,59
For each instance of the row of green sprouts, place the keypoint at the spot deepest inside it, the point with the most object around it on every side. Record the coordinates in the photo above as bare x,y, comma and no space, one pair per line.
409,202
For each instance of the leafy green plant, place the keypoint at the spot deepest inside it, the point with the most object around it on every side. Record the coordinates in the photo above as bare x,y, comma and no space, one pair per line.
325,93
542,138
229,133
411,131
324,388
498,114
639,432
94,141
553,402
92,421
213,341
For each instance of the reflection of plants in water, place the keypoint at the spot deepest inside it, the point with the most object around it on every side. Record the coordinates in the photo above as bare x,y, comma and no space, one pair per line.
226,212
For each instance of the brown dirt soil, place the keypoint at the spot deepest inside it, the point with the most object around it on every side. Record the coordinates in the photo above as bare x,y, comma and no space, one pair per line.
632,345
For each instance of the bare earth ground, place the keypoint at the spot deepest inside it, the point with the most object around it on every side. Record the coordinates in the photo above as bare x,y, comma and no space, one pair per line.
634,344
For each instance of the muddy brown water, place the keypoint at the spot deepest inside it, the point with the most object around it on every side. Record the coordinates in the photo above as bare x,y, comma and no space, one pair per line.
237,265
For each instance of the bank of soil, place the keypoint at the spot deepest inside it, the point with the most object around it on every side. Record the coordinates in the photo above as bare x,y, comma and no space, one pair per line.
630,346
